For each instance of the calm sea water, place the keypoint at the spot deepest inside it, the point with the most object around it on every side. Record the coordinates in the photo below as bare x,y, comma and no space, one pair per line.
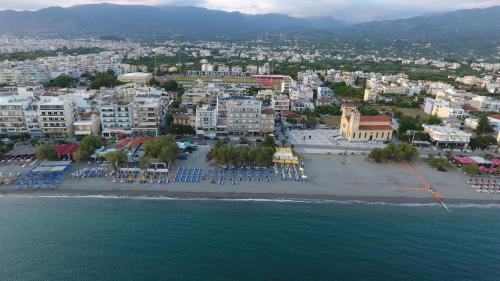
124,239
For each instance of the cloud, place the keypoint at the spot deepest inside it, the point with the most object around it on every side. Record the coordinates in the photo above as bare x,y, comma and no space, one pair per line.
348,10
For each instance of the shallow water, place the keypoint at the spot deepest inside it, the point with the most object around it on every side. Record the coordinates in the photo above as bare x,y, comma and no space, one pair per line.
126,239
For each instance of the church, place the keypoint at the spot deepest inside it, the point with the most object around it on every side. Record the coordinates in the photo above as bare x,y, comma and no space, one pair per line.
357,127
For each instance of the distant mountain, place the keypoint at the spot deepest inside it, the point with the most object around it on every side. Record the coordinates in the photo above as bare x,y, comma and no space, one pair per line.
463,31
149,21
461,23
475,30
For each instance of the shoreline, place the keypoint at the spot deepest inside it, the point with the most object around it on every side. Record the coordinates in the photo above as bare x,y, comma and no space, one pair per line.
236,196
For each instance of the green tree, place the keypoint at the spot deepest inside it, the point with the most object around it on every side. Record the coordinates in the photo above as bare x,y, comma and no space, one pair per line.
396,152
116,158
482,142
368,111
163,148
46,152
408,123
88,146
433,120
438,163
170,85
483,125
61,81
328,109
471,169
344,90
378,155
104,79
269,141
145,161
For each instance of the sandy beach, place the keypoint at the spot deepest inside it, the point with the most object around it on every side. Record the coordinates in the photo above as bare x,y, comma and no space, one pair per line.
330,177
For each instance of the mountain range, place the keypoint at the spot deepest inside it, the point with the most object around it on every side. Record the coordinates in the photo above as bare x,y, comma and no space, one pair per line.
472,27
151,21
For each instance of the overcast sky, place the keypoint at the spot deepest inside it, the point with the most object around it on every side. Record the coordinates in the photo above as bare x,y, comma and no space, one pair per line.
348,10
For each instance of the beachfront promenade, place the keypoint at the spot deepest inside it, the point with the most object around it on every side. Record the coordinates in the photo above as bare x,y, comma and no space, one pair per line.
333,177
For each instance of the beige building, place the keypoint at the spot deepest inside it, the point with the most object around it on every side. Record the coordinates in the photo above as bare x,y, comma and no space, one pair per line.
267,121
356,127
370,95
89,124
12,115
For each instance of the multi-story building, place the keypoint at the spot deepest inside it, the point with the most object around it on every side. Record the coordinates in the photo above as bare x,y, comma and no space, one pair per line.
325,93
88,124
356,127
370,95
148,115
301,105
206,120
485,104
33,121
183,119
280,103
10,76
12,115
243,116
443,136
267,121
116,119
443,108
56,117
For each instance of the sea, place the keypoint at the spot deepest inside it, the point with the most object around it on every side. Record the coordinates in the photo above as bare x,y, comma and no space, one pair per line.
119,239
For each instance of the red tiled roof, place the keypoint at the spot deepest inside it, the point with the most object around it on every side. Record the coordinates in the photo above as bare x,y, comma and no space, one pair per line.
372,118
139,140
375,128
292,115
66,149
495,116
268,111
132,143
85,115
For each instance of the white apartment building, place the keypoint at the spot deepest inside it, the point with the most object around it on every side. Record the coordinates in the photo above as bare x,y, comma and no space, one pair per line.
30,91
443,136
325,93
12,115
206,120
116,119
207,67
33,121
243,116
301,105
485,104
56,117
10,76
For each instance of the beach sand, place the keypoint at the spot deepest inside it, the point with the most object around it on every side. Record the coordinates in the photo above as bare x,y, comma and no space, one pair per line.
330,177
